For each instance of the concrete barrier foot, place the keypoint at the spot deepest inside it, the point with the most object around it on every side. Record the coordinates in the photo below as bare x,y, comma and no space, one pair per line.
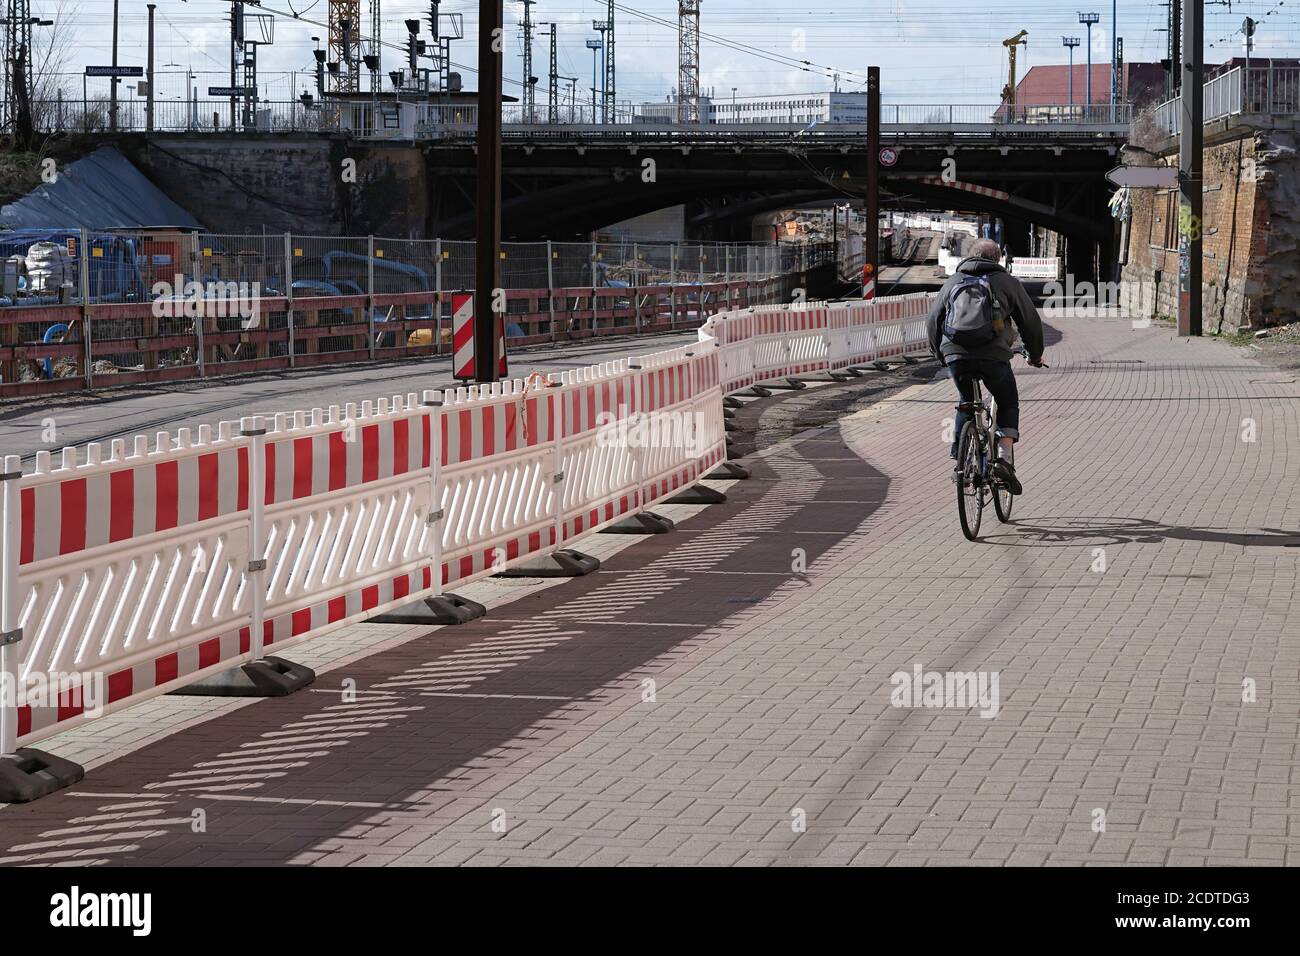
443,609
760,391
27,775
644,522
698,495
268,677
792,384
565,563
728,470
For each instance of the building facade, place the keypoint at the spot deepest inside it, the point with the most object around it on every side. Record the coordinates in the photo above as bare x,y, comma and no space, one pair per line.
782,108
794,108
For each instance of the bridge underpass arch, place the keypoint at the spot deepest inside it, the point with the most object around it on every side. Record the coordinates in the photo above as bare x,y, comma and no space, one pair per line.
1090,241
564,193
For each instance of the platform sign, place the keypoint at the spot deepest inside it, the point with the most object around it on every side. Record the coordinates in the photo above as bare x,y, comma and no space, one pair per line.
223,91
114,71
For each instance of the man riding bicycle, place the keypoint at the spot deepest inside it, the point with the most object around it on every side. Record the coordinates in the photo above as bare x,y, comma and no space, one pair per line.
970,333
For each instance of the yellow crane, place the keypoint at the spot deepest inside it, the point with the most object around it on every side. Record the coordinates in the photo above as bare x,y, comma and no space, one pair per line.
1009,91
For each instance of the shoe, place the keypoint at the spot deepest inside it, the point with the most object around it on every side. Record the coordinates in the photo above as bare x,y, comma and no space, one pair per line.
1005,472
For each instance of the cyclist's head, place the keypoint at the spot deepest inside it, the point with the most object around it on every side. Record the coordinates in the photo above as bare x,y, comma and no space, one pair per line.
986,249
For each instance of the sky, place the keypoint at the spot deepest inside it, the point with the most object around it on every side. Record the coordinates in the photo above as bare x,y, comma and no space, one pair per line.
928,51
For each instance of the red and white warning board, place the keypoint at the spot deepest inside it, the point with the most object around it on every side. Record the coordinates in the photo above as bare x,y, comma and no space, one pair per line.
868,281
462,338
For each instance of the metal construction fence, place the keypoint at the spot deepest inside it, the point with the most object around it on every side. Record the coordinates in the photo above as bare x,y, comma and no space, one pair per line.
84,309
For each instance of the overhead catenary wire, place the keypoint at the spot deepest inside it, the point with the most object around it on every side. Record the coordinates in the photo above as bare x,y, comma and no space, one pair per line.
782,59
750,48
804,65
1222,39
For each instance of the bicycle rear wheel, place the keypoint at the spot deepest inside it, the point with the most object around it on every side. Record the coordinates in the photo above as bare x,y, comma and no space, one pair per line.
970,492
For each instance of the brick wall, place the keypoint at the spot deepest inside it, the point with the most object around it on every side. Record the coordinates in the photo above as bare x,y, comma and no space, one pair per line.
1250,177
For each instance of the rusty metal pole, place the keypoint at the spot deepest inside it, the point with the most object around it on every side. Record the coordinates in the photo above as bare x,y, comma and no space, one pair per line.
871,236
112,80
1190,164
487,250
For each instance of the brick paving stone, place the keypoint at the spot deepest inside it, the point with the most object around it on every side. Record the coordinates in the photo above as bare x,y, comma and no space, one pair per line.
1119,689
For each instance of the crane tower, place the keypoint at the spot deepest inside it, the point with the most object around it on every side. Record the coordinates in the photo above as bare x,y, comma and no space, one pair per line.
688,61
345,45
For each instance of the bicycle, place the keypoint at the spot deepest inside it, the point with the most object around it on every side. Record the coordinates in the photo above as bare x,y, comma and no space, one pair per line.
974,477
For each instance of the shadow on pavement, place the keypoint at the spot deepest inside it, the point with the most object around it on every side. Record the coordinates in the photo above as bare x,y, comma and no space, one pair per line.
443,723
1076,530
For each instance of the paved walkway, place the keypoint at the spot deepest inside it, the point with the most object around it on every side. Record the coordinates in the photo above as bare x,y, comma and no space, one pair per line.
702,701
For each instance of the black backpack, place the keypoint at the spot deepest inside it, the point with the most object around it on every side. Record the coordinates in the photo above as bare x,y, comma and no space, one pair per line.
971,318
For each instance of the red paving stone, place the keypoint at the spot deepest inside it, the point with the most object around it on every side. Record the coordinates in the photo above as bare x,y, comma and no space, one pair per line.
1119,690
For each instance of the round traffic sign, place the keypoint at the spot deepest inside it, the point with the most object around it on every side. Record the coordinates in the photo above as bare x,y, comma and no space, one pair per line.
888,156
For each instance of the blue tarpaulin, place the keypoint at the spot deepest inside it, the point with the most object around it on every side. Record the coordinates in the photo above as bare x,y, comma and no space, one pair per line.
102,191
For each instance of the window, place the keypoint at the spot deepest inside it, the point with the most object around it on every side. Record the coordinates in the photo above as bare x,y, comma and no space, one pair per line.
1170,220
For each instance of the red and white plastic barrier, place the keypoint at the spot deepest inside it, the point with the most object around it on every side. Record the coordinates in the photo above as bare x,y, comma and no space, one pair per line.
153,565
1036,268
774,342
126,575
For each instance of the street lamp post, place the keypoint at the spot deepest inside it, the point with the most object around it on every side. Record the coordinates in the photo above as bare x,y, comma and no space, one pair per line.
1070,43
1088,19
601,27
595,47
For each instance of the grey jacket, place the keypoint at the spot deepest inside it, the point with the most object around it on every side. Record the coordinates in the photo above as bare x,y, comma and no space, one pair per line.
1016,304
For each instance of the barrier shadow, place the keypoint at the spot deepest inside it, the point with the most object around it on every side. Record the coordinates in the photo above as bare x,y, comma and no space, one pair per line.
444,722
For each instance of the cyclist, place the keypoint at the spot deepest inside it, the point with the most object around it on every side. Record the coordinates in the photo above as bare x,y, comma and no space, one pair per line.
970,334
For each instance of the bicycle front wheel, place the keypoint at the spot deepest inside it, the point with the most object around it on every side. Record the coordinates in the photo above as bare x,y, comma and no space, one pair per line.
1002,502
970,480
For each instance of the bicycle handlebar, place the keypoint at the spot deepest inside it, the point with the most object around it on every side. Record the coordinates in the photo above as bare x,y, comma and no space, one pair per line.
1022,350
1039,364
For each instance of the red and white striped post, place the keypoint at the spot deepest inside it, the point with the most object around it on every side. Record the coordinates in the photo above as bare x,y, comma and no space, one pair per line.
462,335
463,340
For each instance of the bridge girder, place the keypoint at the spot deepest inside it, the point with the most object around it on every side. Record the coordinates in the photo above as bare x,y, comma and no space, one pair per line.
561,191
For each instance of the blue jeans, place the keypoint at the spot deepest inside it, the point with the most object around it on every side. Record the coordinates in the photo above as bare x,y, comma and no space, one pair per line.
999,381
